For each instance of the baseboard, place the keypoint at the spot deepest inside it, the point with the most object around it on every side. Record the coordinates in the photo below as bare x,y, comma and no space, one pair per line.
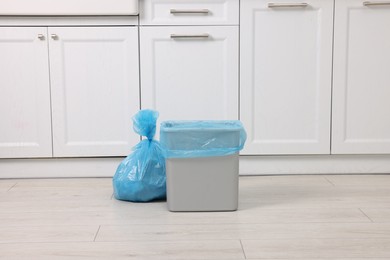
314,164
56,168
249,165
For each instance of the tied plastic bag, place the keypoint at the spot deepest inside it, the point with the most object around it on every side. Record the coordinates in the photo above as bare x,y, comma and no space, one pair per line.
140,177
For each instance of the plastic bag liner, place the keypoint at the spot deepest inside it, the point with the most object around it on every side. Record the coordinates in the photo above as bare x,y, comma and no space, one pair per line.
140,177
190,139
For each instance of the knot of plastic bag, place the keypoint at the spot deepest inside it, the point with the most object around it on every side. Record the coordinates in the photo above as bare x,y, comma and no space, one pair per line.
144,123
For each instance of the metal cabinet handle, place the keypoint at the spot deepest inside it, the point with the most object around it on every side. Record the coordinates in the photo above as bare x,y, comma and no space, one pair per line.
41,37
372,3
190,11
185,36
54,36
277,5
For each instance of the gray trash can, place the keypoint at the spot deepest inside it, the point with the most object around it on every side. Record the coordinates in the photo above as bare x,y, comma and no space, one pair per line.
202,164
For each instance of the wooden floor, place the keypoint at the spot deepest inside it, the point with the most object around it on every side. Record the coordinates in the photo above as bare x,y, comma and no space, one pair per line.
279,217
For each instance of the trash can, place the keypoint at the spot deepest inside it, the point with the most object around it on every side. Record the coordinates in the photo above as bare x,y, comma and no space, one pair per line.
202,164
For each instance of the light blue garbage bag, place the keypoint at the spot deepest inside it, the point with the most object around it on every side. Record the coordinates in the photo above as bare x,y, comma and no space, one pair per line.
193,139
140,177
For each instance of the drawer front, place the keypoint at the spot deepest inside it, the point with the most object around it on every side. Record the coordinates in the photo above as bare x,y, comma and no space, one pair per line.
189,12
68,7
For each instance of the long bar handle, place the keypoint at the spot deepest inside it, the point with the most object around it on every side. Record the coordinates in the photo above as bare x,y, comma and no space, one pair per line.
190,11
372,3
186,36
277,5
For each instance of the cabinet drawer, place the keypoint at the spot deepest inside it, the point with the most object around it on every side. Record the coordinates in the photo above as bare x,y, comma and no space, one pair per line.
189,12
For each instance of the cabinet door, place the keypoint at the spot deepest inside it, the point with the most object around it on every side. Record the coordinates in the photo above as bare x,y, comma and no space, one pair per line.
286,61
194,78
25,126
95,90
361,86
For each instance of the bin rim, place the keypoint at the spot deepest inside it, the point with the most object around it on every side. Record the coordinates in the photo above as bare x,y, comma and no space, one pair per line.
201,125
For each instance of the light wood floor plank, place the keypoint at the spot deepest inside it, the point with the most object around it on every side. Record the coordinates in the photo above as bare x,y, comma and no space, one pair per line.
56,194
5,185
218,249
337,258
317,248
31,190
86,183
126,215
45,233
309,197
243,231
378,214
284,181
359,180
74,204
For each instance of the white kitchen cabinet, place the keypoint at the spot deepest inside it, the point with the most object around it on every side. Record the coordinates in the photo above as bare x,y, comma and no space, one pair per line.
68,91
190,72
95,90
285,82
25,125
361,83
